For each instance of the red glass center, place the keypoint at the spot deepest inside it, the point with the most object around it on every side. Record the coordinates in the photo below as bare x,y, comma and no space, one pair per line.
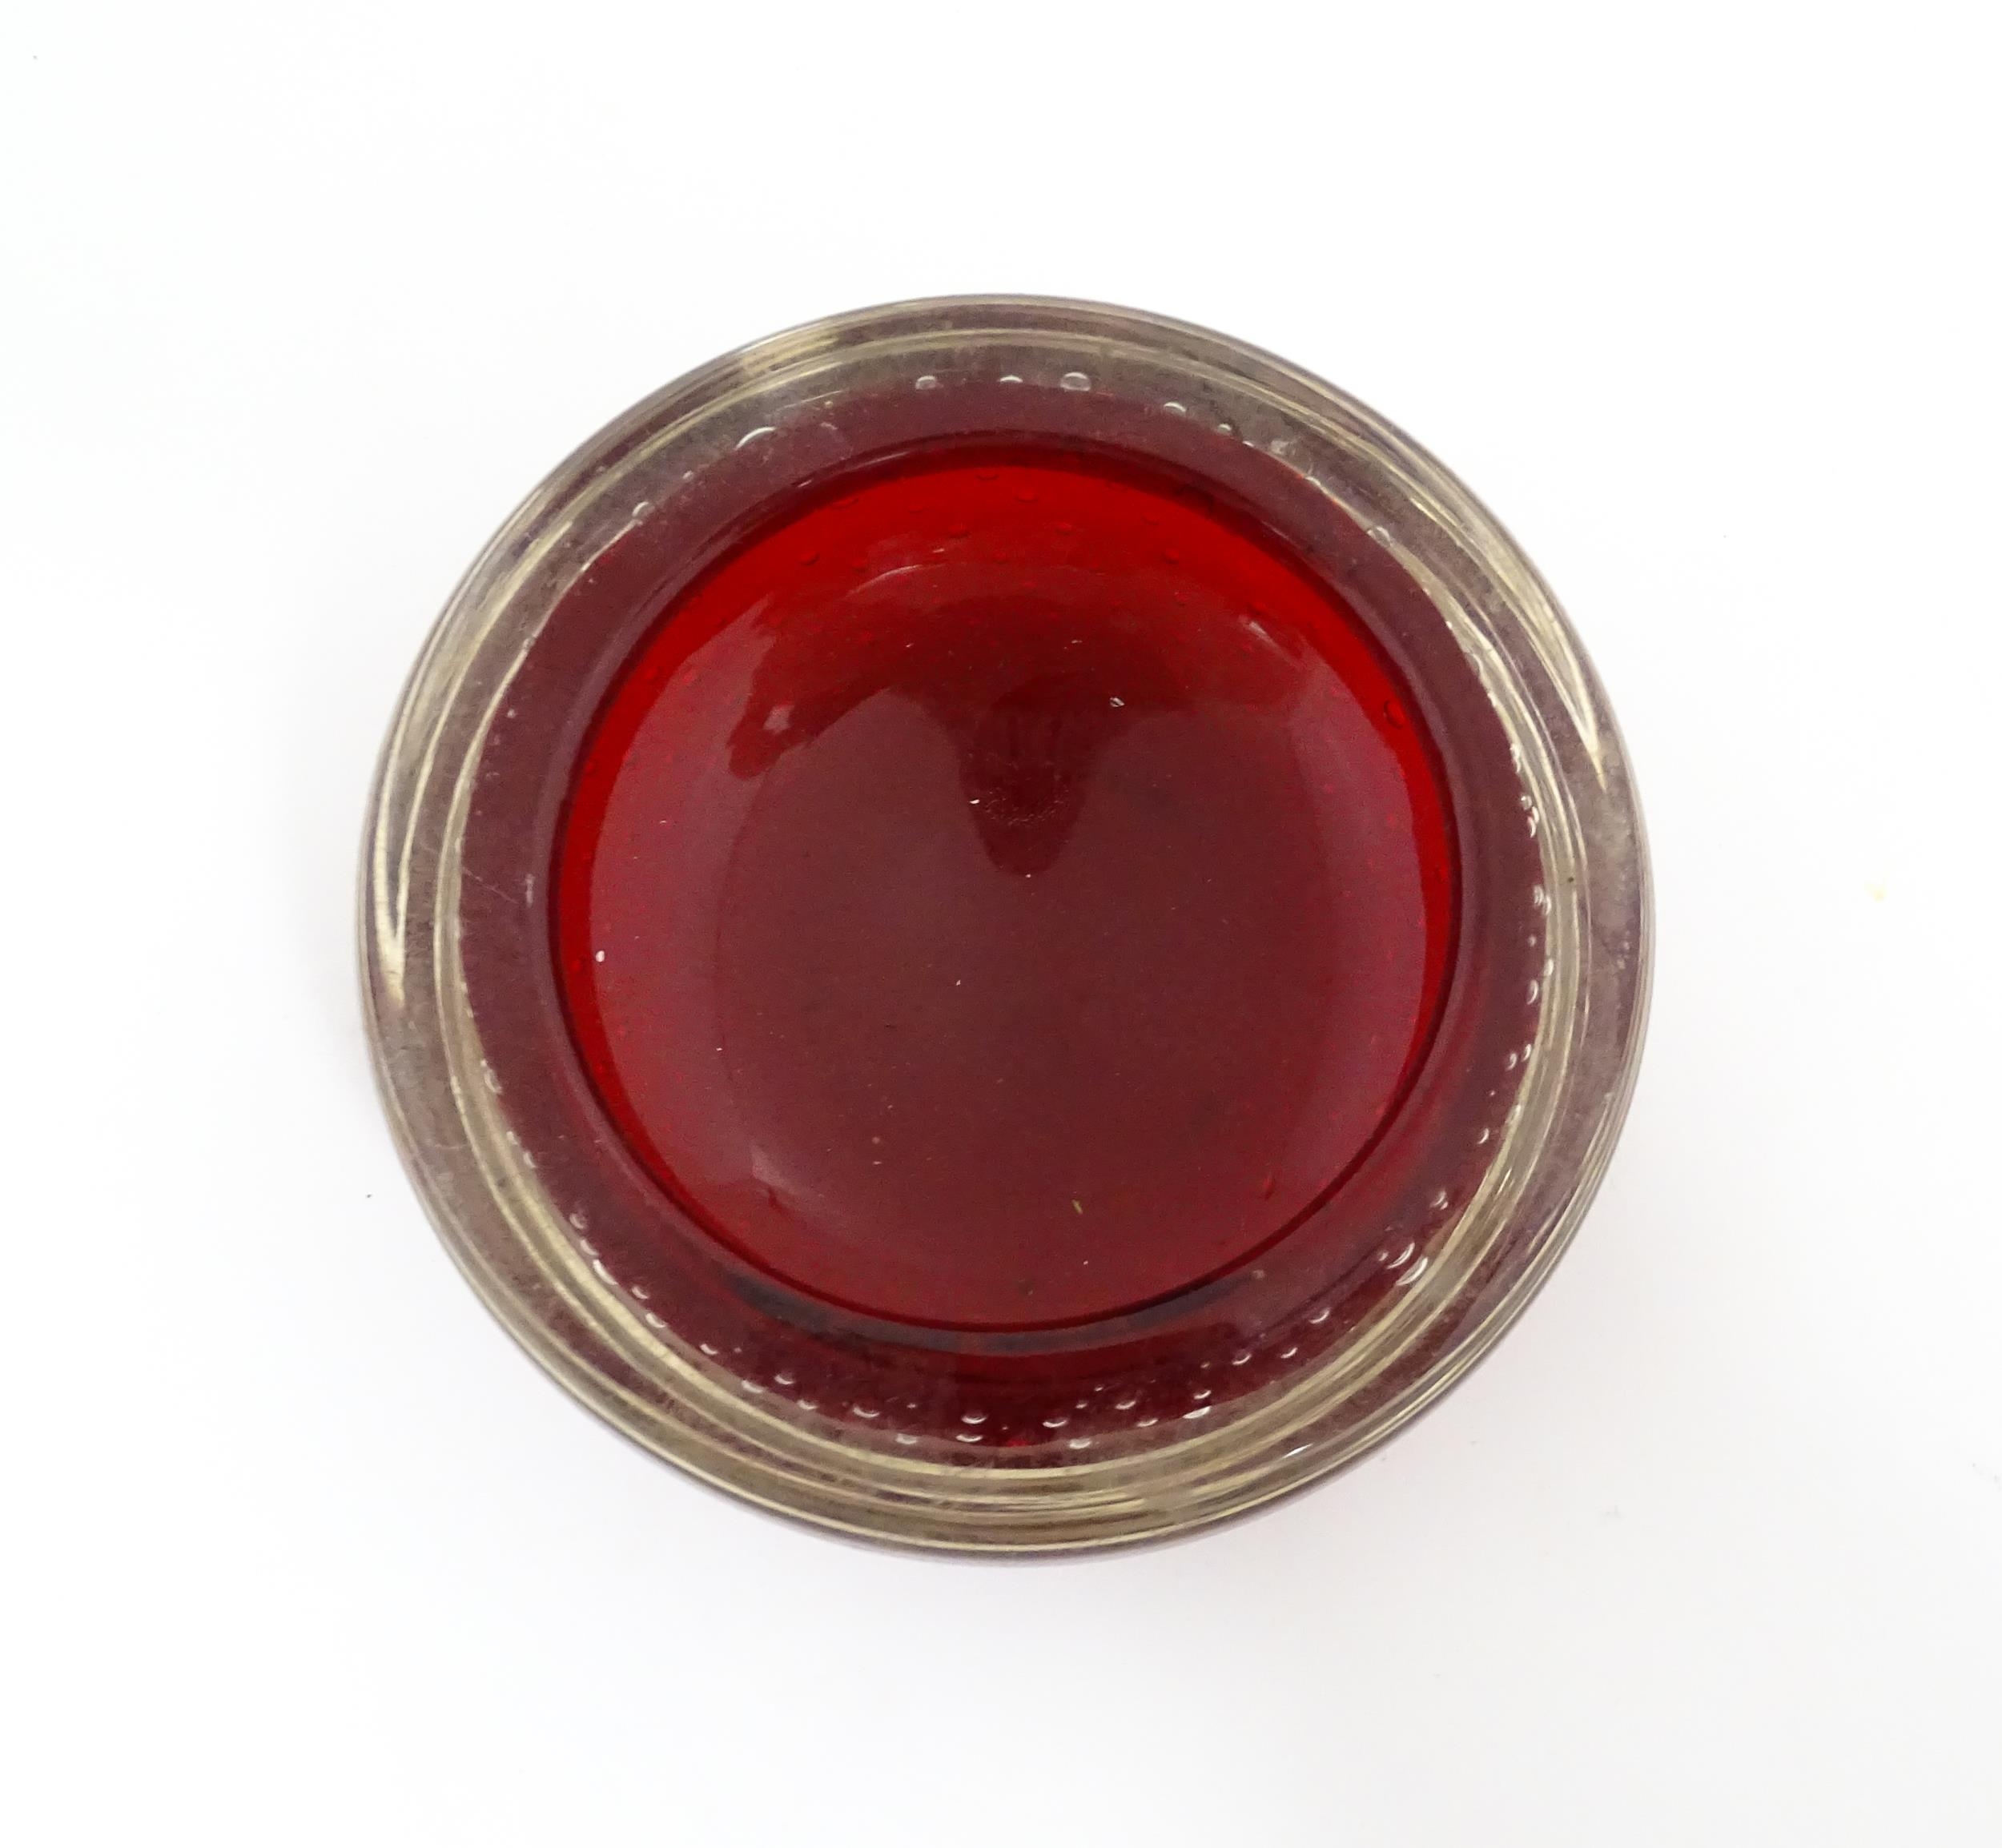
1008,890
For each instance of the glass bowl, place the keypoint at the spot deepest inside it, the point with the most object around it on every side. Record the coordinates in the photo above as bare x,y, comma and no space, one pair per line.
890,1386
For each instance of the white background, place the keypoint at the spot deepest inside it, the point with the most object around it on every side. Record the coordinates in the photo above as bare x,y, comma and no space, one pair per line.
299,300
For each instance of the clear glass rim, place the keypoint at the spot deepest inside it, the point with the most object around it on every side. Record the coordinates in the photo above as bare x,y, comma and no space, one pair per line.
508,1237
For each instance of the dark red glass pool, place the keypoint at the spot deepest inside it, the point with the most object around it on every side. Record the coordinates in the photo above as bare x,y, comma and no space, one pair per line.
1007,891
